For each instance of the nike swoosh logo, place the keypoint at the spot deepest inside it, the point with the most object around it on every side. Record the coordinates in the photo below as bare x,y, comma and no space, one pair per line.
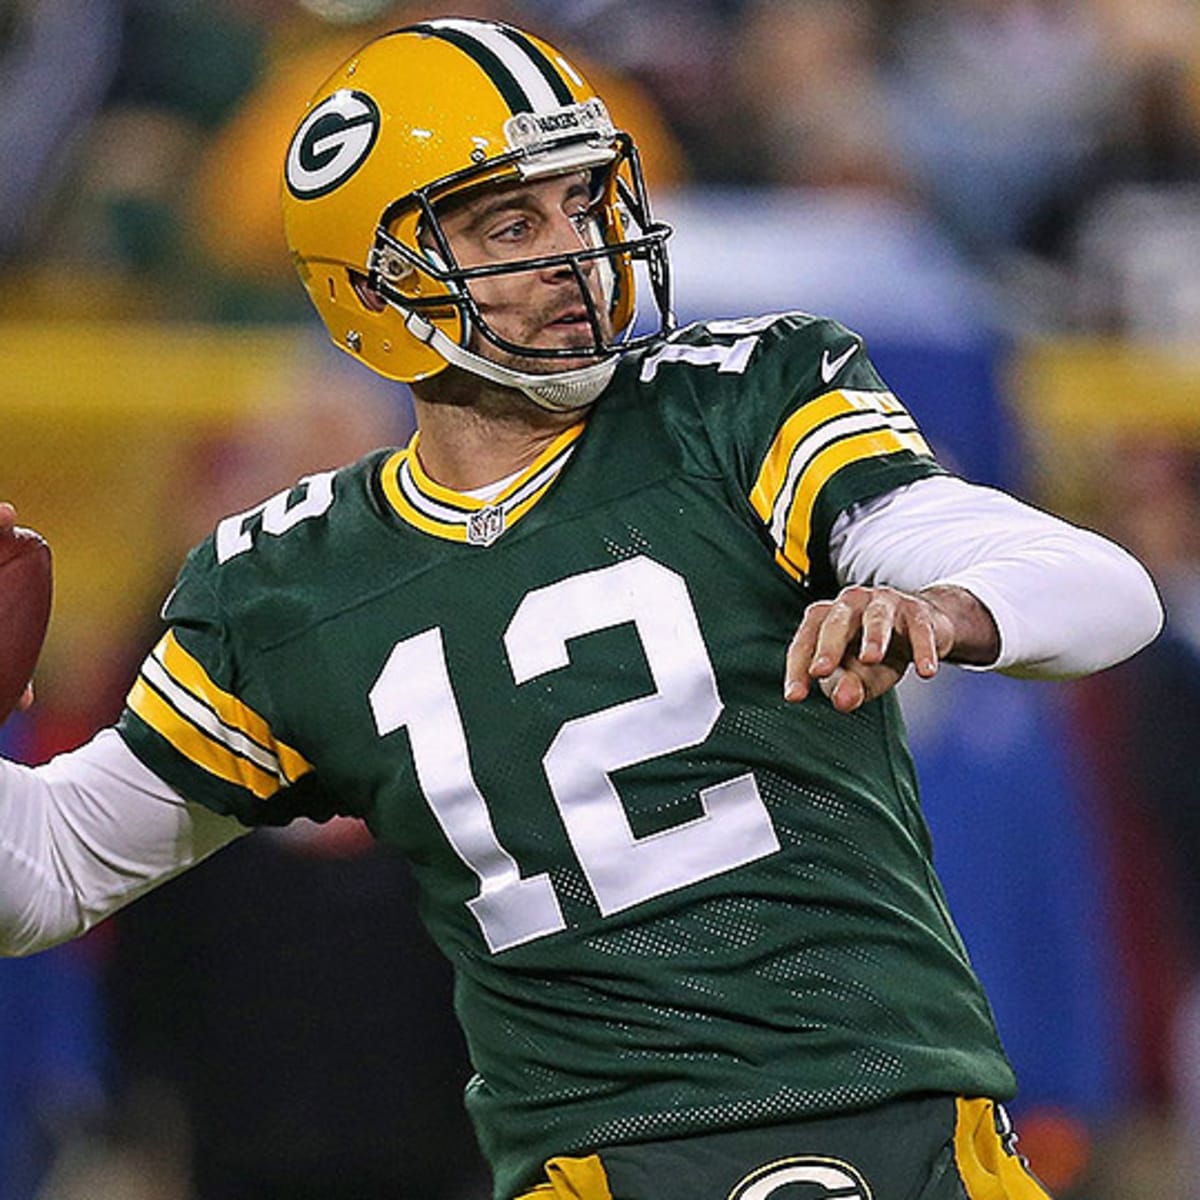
831,366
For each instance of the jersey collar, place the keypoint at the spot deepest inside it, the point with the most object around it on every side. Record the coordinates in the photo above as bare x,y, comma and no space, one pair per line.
456,517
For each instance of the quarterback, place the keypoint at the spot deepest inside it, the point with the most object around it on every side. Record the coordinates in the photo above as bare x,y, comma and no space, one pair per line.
609,652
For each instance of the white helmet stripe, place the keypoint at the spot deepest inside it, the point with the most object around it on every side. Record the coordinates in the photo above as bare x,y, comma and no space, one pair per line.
524,70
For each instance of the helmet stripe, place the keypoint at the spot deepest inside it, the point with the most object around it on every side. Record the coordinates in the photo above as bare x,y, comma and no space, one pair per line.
527,81
552,76
502,78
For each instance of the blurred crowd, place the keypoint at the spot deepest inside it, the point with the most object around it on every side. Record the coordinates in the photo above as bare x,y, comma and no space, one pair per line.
225,1039
1056,141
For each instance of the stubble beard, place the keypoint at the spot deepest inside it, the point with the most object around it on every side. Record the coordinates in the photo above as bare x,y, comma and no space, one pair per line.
582,336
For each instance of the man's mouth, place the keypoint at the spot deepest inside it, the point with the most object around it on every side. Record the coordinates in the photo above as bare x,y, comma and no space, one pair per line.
571,319
571,329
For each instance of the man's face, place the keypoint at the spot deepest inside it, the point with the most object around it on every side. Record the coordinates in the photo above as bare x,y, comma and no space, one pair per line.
542,307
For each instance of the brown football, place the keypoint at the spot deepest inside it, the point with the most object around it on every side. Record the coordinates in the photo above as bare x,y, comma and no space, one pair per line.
26,587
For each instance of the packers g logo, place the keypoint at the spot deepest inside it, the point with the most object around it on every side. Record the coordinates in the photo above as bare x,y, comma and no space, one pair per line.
803,1178
331,144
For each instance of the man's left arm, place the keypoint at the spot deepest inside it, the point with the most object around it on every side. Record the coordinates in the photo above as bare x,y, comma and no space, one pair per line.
946,571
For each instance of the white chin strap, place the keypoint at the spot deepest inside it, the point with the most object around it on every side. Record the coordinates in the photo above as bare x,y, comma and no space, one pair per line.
559,392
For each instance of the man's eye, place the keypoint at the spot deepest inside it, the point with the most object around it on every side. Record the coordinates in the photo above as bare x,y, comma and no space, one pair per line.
512,230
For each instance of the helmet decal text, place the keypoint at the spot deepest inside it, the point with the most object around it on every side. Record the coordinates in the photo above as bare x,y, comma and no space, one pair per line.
331,144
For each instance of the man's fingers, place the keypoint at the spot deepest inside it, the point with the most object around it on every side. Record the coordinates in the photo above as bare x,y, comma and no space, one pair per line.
26,700
845,689
839,629
829,632
878,624
860,645
800,652
922,640
851,686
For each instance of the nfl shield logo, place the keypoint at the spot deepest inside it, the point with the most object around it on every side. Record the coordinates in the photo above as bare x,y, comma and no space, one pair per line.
485,526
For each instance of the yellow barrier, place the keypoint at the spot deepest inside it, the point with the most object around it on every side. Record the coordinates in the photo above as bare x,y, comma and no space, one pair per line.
102,429
1069,388
1079,401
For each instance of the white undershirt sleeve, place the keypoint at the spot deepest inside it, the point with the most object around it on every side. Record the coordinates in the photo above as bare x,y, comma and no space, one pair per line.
1065,600
85,834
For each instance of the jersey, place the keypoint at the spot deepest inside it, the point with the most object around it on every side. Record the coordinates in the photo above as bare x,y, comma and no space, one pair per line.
673,902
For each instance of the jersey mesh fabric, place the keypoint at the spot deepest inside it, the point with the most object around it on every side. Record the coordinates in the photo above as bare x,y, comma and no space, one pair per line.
682,989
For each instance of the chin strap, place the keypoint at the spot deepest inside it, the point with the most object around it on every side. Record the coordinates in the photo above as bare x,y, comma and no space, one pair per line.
562,391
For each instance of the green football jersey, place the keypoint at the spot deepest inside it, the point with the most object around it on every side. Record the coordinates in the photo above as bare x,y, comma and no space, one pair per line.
674,903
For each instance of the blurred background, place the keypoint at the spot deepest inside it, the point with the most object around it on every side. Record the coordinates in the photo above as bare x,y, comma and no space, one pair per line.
1003,196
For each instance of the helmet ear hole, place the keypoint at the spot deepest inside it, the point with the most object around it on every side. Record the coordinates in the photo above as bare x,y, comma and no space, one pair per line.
367,296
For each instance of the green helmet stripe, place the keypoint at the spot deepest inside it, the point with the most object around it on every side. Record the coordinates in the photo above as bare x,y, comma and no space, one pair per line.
551,74
505,82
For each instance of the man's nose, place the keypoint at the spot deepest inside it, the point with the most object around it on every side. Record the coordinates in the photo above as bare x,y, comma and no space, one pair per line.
566,236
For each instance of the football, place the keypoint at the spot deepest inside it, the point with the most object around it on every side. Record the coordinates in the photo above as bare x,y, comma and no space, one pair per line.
26,586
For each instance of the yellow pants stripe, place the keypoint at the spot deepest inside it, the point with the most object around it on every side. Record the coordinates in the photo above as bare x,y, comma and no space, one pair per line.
989,1170
572,1179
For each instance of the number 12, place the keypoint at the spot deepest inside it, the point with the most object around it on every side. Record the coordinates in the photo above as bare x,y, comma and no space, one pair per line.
414,691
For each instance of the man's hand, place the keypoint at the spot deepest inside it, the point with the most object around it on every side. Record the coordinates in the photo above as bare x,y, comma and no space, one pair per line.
860,644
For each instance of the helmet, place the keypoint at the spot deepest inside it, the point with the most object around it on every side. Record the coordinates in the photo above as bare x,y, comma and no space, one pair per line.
427,113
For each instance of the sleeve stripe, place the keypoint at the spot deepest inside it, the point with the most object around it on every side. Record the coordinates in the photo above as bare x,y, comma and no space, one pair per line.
813,448
176,698
188,674
229,711
772,476
815,443
194,745
824,467
206,722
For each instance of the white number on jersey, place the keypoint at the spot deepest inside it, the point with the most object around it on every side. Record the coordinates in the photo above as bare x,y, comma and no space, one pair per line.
414,691
279,514
729,360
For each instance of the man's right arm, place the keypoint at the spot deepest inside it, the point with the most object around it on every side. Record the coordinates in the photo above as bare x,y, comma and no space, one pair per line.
87,833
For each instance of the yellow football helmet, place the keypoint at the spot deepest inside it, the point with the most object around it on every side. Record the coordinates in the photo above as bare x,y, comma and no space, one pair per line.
420,115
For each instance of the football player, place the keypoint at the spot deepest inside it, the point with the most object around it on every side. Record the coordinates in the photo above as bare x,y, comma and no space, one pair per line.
609,650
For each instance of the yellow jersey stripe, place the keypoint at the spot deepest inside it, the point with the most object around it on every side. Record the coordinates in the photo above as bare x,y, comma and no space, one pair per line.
186,671
822,421
795,572
822,468
813,444
518,511
430,488
445,495
451,529
196,746
774,472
